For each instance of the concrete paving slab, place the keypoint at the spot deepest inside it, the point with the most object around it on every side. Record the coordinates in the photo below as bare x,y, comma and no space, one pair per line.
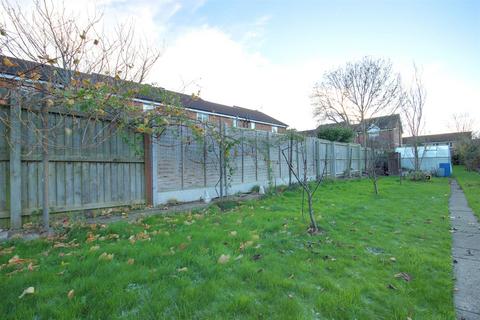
467,295
464,221
466,228
466,315
466,256
466,240
466,253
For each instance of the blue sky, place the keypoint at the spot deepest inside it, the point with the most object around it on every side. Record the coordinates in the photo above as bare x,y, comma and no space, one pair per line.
268,54
442,37
296,30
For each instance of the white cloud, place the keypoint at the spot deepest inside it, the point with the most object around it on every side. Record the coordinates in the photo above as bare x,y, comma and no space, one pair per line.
228,73
233,72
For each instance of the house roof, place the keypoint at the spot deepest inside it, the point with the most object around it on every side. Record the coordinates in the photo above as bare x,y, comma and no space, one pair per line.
199,104
383,123
443,137
47,73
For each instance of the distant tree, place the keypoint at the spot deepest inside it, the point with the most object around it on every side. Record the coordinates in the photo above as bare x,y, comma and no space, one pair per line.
358,91
413,108
471,155
462,122
336,133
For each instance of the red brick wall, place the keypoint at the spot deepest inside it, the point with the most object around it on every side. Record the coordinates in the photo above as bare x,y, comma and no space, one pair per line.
229,121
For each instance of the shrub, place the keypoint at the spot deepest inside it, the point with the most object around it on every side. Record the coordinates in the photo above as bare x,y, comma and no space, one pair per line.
471,155
336,133
419,176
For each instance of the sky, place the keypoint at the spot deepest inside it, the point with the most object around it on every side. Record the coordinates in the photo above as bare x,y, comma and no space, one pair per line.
268,54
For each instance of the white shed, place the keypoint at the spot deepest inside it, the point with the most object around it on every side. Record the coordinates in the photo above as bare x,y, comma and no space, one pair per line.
434,159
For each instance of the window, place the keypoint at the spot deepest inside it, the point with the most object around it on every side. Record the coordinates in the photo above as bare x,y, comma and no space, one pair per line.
148,106
234,123
275,129
252,125
203,117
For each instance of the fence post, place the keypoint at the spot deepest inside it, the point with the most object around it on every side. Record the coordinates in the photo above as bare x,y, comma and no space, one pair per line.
290,160
317,159
256,157
243,156
269,165
182,158
333,161
359,159
147,158
15,163
154,143
220,158
297,158
280,163
225,176
349,161
204,155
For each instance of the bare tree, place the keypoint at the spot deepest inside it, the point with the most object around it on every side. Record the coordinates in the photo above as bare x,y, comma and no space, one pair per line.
462,122
62,65
301,177
413,112
357,92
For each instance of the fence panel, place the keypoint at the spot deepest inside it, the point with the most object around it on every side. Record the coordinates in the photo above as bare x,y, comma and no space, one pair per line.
91,164
256,158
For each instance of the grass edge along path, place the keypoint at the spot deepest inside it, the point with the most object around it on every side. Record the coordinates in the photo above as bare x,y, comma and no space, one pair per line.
469,181
380,257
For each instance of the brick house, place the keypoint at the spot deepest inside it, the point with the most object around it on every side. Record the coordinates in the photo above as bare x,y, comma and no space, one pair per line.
231,116
389,130
197,108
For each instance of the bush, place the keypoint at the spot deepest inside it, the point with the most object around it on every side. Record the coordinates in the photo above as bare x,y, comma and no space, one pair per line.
419,176
336,133
471,155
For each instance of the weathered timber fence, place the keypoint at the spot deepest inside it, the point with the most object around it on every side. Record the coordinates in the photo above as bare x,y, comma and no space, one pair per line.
91,163
188,169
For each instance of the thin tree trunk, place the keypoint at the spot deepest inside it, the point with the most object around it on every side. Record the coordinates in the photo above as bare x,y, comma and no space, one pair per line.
417,162
313,223
375,185
290,159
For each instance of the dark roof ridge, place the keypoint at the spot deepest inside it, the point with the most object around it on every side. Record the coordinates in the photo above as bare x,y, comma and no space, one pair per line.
46,71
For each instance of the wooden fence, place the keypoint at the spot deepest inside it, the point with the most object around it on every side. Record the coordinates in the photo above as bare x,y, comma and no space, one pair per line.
91,165
187,169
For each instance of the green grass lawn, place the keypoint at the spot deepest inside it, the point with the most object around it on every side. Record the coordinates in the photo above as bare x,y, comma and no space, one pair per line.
470,183
275,271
